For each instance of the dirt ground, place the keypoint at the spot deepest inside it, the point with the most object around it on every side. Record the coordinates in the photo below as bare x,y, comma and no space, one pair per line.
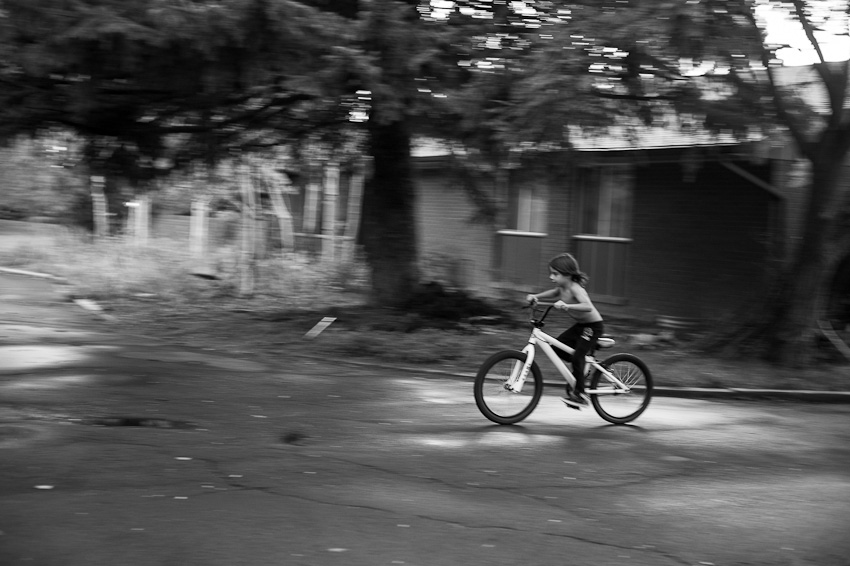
359,333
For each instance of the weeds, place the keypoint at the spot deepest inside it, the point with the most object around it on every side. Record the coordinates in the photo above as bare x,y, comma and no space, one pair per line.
110,269
156,291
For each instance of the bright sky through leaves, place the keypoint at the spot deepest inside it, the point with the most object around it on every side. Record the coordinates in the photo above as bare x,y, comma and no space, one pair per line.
783,28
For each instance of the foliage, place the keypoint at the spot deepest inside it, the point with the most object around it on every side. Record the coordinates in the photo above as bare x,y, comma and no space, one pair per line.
38,181
156,85
810,106
166,81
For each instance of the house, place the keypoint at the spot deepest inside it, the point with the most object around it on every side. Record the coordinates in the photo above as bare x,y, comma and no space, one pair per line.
667,221
668,224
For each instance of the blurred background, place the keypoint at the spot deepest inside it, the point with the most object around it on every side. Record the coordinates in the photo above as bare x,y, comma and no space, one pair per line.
693,156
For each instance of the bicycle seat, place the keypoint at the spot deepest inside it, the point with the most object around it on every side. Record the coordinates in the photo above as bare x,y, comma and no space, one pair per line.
605,342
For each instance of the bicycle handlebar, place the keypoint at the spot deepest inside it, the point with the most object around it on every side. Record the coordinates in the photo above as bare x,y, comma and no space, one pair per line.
539,306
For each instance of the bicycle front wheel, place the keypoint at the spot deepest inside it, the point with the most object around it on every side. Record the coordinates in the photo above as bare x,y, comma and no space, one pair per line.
494,400
614,406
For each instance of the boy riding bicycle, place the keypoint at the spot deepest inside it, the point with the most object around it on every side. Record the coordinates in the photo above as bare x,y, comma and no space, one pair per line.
571,297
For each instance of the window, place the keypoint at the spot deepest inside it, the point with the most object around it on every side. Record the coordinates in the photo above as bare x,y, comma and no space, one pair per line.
605,201
527,209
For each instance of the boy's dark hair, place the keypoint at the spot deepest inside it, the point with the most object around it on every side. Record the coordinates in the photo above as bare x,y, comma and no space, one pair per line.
565,264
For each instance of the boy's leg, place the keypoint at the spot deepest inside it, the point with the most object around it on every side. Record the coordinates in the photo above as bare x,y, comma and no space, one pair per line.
584,345
568,337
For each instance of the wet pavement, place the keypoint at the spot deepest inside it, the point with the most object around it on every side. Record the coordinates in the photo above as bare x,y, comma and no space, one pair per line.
119,449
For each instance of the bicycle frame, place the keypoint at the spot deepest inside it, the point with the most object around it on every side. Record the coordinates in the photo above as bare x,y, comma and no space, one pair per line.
548,344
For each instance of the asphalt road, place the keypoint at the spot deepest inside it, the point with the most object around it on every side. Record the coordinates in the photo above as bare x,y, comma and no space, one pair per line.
119,450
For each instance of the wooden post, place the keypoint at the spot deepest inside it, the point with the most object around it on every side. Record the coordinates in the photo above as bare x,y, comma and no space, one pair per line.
311,207
145,226
249,231
198,228
130,227
355,203
329,212
284,218
99,212
140,215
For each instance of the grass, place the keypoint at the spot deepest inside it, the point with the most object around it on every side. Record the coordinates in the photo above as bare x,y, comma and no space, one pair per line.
155,291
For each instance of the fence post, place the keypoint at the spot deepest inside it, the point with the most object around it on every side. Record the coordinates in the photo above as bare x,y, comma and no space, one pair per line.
248,260
143,219
198,228
355,202
329,212
99,212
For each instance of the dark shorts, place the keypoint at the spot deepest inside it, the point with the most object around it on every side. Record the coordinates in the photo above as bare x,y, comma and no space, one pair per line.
582,337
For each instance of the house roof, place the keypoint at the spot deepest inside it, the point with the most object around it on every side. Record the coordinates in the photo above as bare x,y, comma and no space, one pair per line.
637,136
623,137
633,135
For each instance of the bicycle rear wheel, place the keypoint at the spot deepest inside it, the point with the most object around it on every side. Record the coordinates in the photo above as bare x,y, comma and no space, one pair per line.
502,405
621,408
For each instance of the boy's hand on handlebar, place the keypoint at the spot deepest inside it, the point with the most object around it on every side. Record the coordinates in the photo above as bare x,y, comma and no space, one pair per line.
531,299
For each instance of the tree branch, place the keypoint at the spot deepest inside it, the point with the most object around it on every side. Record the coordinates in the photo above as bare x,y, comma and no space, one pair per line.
596,91
799,9
785,116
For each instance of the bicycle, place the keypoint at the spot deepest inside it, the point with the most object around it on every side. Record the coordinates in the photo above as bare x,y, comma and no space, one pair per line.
620,386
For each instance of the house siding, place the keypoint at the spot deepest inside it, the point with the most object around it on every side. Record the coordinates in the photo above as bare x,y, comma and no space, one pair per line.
453,248
701,244
560,221
699,248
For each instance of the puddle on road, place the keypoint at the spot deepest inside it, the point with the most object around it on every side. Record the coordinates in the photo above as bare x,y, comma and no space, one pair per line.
18,358
49,382
487,439
27,334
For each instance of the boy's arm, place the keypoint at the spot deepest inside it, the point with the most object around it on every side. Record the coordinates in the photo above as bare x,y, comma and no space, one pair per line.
550,294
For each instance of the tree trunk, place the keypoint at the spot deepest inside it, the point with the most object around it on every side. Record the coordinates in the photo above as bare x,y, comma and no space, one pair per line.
801,292
389,224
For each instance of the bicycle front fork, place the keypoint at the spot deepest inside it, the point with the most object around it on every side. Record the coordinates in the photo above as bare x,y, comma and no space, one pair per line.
519,373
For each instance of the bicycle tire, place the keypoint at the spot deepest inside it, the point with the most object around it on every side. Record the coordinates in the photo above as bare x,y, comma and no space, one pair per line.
501,405
622,408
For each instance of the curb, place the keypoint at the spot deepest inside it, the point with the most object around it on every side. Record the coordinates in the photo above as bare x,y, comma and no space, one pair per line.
842,397
838,397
